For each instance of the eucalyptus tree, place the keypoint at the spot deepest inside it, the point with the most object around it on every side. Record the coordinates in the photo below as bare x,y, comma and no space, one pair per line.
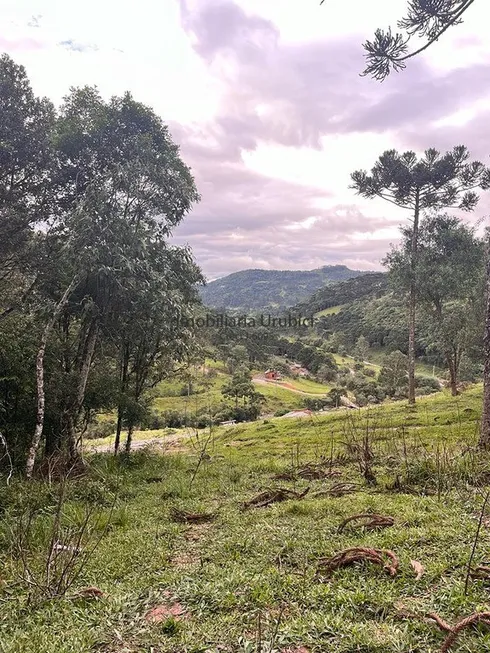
154,333
125,188
433,181
27,170
448,281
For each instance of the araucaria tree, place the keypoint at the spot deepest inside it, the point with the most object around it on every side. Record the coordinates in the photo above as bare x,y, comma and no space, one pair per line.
433,181
425,19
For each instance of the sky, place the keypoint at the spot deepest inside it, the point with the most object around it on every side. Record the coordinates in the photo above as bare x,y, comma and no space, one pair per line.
265,99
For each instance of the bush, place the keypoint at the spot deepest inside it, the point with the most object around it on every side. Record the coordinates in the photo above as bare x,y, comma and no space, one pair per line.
370,372
174,419
312,403
100,430
281,412
154,422
427,382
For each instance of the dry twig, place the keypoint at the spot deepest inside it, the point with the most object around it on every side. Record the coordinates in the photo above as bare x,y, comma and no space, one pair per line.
191,517
277,495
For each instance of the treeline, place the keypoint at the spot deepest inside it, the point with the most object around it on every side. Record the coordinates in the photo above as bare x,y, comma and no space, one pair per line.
91,293
344,292
270,289
450,290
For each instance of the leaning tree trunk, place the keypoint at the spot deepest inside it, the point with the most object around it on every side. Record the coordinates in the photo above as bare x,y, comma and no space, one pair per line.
77,403
122,391
129,438
485,419
453,374
413,303
41,397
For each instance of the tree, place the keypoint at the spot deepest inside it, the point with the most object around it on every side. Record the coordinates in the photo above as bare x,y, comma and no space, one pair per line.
428,19
27,190
433,182
153,334
393,374
361,349
238,356
449,266
124,187
240,386
484,441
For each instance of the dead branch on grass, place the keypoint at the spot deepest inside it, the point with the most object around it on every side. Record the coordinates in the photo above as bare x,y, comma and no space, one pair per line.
277,495
359,554
191,517
337,490
454,631
369,521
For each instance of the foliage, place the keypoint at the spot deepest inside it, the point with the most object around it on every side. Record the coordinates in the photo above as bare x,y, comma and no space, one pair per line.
449,286
270,289
92,295
428,19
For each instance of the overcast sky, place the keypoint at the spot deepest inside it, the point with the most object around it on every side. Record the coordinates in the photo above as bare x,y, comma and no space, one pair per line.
265,99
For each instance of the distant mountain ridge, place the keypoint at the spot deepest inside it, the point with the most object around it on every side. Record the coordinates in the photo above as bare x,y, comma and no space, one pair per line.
271,289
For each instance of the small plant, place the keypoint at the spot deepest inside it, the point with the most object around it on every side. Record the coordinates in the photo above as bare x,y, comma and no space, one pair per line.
53,550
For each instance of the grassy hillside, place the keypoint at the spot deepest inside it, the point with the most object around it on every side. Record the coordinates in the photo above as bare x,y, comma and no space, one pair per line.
251,580
262,289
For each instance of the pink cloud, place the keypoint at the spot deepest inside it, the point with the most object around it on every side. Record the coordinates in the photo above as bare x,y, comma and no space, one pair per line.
23,43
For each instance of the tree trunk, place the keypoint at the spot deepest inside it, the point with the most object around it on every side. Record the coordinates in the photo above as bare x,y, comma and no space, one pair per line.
129,439
41,398
84,370
453,375
123,388
413,303
485,419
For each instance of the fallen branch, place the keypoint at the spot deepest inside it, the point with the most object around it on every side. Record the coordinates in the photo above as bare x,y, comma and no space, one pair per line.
268,497
310,471
191,517
337,490
454,631
358,554
482,572
314,471
368,521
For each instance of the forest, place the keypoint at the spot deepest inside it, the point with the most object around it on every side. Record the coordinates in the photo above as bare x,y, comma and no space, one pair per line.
173,482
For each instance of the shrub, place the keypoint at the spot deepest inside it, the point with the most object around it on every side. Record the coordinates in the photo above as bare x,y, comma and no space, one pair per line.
281,412
428,382
100,430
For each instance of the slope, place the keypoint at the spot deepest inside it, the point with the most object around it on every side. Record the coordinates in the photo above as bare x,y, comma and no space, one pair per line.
275,289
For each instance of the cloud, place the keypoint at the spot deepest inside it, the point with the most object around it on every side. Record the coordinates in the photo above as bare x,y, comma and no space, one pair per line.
302,97
19,44
267,105
35,21
75,46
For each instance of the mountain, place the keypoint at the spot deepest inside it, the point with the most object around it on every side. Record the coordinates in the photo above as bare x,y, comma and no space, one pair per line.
271,289
344,293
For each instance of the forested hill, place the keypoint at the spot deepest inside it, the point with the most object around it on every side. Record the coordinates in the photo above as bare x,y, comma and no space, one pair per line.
341,294
262,289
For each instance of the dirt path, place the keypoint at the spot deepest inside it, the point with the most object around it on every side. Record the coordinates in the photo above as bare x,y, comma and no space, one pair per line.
171,443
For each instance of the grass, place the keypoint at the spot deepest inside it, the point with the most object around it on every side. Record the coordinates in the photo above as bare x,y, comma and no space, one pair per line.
277,397
333,310
246,581
307,385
